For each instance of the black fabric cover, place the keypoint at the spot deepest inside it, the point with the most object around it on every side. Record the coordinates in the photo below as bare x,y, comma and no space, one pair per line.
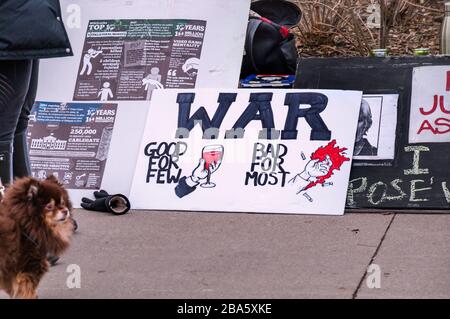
279,11
269,47
32,29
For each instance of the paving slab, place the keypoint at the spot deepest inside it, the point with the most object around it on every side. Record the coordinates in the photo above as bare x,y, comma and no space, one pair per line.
217,255
414,259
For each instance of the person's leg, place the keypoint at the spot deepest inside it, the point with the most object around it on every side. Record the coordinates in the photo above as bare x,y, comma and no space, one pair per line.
83,69
89,68
21,161
14,82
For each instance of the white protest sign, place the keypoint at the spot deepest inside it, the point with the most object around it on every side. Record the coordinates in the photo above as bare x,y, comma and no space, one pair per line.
281,151
71,141
126,49
375,135
124,39
430,105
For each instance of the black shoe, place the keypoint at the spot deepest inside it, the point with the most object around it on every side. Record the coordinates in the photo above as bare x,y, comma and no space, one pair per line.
52,259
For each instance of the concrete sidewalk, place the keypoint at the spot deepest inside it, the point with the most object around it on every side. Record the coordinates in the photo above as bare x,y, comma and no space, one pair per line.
218,255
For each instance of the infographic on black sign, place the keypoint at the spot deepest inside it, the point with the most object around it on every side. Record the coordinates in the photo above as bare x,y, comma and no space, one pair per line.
129,59
71,141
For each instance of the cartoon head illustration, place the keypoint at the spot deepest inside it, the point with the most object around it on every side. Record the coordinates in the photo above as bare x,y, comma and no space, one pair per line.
105,92
91,51
191,66
333,157
321,166
154,70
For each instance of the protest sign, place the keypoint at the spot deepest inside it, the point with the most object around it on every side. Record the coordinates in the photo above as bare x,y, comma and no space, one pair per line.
279,151
71,142
417,178
430,108
124,50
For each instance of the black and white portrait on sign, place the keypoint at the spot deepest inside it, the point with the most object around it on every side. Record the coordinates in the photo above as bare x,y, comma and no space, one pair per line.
375,135
368,123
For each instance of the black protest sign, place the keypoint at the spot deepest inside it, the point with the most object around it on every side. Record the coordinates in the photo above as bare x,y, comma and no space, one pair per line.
418,176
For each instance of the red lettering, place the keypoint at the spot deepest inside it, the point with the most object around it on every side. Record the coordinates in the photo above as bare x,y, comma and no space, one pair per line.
435,104
426,126
442,105
448,81
442,122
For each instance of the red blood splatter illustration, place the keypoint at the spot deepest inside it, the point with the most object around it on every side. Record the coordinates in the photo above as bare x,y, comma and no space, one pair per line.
337,159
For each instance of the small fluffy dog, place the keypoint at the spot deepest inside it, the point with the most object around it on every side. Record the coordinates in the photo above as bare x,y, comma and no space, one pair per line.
34,222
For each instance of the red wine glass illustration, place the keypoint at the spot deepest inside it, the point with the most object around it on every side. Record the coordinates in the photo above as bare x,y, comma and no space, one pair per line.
212,155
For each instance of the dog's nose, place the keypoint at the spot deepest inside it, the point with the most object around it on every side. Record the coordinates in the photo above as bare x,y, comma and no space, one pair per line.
65,213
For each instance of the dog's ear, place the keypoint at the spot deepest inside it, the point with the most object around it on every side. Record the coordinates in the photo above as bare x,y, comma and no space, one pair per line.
32,191
53,179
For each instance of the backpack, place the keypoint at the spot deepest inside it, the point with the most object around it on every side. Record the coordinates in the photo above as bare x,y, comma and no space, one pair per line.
269,46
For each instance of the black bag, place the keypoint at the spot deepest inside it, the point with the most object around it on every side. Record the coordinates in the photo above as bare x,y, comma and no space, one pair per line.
269,46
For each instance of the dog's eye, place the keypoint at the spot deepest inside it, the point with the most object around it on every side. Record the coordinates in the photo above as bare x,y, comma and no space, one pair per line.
49,206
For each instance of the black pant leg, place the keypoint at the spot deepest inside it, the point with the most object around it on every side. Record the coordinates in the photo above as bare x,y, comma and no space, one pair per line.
14,84
21,159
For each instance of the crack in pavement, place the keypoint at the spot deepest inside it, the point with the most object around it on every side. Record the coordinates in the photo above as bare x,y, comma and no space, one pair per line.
355,293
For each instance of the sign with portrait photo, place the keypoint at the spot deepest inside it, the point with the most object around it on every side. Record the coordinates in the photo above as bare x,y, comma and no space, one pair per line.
376,132
269,151
417,179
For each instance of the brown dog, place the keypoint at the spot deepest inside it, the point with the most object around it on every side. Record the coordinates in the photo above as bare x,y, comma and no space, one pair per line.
34,222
